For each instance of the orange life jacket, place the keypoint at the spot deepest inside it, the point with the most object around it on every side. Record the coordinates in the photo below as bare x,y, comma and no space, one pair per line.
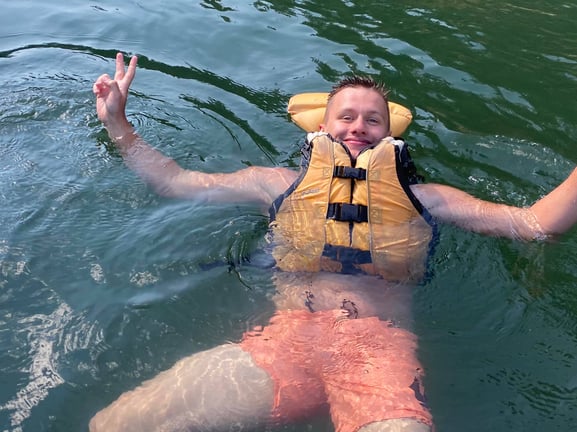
351,216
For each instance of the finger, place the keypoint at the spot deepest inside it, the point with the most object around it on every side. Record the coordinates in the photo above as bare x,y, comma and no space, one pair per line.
119,74
101,85
103,78
131,71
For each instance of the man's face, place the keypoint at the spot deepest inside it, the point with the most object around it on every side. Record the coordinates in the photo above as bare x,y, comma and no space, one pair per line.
358,117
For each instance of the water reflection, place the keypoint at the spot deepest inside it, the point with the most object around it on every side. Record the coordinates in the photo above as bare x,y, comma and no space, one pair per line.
37,342
103,284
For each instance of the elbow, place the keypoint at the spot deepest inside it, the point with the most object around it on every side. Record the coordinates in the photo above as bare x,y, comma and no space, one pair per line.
530,228
164,190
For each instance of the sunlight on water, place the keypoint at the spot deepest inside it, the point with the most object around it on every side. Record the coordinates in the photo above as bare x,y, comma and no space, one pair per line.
103,284
44,339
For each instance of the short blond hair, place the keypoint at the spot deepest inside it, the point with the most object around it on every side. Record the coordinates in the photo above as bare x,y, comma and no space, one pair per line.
360,81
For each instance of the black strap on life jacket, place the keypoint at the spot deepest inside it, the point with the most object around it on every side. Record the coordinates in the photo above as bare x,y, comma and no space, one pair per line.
350,172
350,258
348,212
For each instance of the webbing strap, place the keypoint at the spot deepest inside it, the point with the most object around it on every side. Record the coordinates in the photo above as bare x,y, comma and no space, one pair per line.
350,172
347,212
347,254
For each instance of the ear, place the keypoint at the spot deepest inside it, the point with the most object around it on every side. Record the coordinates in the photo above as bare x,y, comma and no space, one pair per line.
321,127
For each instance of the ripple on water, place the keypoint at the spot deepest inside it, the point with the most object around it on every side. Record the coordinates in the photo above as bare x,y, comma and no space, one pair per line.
45,341
41,330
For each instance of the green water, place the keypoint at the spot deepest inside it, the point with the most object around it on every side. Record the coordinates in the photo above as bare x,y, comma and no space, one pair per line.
103,284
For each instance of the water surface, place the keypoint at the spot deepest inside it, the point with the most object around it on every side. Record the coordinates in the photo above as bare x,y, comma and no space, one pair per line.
103,284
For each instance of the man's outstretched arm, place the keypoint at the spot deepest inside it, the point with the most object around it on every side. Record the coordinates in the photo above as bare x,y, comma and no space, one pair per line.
254,184
552,215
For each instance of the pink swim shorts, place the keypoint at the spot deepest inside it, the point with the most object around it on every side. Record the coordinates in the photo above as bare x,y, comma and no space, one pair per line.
364,370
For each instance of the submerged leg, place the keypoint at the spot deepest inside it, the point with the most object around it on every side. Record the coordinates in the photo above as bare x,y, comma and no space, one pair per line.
396,425
215,390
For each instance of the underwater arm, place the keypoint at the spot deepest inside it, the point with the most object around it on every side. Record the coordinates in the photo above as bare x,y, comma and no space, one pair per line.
553,214
258,185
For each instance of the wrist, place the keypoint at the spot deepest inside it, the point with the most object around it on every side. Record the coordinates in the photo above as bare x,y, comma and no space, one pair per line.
119,130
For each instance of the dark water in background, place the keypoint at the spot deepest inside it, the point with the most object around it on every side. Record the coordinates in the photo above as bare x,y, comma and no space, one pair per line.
103,284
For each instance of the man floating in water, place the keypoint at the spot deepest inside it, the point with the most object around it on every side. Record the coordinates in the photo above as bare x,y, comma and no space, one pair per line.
351,234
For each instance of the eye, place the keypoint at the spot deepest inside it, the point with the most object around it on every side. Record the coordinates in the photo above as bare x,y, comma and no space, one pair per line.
374,121
346,117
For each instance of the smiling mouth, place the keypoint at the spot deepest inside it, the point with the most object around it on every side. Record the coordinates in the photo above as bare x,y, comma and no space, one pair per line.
357,142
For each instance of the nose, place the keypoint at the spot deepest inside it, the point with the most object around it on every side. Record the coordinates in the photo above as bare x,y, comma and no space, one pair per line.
358,126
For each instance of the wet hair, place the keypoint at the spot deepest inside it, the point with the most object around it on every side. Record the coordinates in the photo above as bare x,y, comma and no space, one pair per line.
360,81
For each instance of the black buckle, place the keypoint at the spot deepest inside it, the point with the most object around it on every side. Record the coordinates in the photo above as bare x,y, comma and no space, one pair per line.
348,212
350,172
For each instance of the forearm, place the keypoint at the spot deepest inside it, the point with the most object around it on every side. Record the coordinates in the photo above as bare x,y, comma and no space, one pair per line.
258,185
159,171
501,220
450,205
498,220
152,166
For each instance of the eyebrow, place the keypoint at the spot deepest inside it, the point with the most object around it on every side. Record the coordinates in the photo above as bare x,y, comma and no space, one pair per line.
376,112
364,114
